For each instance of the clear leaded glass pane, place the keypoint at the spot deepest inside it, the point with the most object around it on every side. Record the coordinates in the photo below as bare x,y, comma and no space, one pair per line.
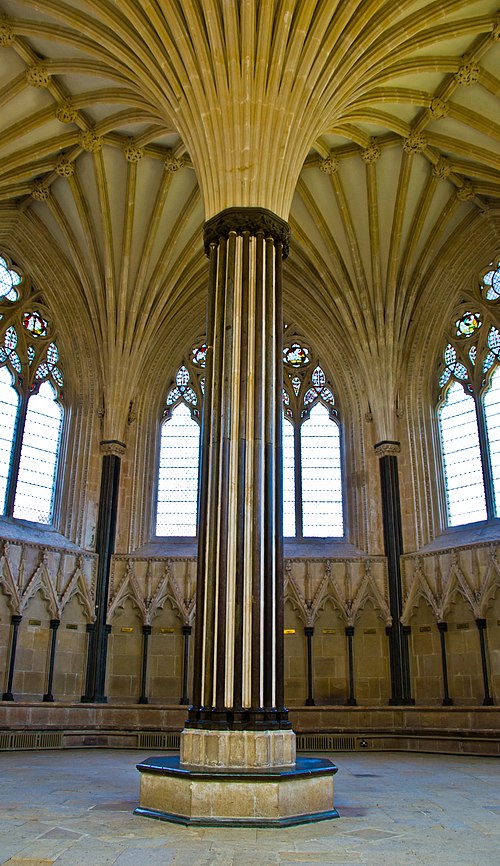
288,480
38,463
178,476
492,414
461,456
321,475
9,401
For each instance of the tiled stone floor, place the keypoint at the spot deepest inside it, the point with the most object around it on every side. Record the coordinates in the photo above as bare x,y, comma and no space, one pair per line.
74,808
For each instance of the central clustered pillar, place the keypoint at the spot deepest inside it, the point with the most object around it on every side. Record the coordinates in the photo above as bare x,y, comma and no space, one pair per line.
238,721
238,662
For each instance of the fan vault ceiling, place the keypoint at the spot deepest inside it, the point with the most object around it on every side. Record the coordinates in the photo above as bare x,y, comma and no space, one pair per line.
373,127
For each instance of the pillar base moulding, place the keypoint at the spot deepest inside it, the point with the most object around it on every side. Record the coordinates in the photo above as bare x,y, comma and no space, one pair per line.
272,798
237,750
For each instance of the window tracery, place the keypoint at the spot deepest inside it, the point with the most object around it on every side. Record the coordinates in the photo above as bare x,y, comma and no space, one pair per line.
31,384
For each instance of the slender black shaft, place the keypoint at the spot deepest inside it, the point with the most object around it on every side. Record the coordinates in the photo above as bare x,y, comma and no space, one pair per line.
146,631
443,628
186,631
15,621
54,625
309,631
351,700
481,627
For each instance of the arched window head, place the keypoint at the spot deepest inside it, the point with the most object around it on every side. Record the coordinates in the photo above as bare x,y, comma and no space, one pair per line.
31,384
469,406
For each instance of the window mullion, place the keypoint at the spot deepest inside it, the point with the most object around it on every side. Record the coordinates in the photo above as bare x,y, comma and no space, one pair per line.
297,463
16,455
485,458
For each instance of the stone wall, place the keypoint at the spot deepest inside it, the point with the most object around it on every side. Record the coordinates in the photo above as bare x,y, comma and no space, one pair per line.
457,586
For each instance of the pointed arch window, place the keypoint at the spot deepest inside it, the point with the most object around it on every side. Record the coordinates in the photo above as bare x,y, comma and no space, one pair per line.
31,414
469,407
313,501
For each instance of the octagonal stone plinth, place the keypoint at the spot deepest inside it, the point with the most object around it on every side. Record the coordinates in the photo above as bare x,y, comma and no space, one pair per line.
237,750
267,798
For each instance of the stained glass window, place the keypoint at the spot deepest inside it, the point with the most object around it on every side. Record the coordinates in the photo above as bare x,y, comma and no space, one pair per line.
469,413
467,324
296,355
30,408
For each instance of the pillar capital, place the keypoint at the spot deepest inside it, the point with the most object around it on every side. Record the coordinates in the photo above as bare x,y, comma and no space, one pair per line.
112,447
255,220
387,448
